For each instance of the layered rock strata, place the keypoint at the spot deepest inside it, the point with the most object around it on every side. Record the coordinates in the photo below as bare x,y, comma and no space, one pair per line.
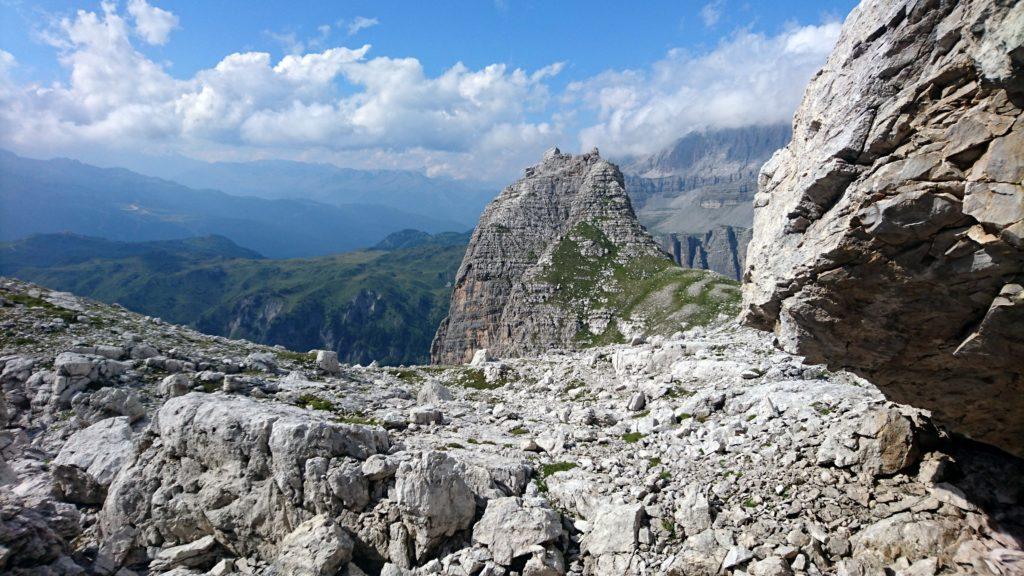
888,234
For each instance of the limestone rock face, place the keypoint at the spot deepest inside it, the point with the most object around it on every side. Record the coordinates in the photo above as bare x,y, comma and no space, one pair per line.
888,234
722,249
511,528
317,547
434,499
503,300
252,471
90,459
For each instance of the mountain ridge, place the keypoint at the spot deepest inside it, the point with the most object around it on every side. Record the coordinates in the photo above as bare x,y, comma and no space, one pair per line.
47,196
559,259
365,305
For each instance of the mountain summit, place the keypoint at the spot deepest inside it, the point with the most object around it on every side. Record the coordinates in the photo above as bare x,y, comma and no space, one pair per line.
566,224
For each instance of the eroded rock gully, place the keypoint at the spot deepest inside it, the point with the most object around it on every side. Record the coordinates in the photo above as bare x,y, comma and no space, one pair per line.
710,452
888,234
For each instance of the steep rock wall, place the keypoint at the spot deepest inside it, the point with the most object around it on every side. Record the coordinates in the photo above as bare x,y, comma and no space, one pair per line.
887,235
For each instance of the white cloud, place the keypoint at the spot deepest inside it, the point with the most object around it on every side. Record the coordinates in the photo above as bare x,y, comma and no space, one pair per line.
711,13
361,23
153,24
341,104
747,79
337,103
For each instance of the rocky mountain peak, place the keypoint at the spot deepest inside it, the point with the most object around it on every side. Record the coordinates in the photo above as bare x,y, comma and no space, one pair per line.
887,235
574,202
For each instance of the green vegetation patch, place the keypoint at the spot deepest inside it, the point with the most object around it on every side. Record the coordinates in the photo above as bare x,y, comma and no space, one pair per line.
474,378
632,437
297,357
547,470
587,272
69,316
314,403
355,418
407,375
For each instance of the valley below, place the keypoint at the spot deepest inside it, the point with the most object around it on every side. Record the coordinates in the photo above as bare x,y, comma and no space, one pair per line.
381,304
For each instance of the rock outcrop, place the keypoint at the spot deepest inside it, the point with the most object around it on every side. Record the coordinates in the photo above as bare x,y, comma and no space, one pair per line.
569,215
888,234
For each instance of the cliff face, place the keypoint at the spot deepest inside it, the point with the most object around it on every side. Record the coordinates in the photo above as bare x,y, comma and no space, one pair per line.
703,180
722,249
565,225
887,235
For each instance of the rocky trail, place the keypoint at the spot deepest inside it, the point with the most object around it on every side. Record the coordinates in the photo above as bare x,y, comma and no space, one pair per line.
132,446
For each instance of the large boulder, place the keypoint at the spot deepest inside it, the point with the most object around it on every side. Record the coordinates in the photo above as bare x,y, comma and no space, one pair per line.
91,458
614,529
75,372
889,234
34,536
107,402
317,547
245,471
434,499
512,527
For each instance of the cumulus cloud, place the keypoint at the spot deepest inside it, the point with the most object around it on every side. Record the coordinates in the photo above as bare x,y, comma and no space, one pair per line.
748,79
344,104
361,23
153,24
336,102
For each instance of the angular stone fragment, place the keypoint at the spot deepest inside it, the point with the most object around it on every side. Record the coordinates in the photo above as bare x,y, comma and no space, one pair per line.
327,360
433,393
317,547
434,499
91,458
614,529
512,527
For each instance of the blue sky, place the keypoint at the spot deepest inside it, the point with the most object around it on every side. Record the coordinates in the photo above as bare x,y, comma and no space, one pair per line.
466,89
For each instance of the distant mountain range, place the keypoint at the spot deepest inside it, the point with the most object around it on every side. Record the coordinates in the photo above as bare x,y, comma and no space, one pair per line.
700,190
48,196
368,305
439,198
703,180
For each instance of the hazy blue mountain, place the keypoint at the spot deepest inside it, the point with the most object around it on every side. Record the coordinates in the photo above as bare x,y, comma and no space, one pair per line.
405,190
61,195
696,195
52,250
413,238
368,305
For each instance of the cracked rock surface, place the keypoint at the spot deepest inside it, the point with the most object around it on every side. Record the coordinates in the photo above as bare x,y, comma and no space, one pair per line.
888,234
502,301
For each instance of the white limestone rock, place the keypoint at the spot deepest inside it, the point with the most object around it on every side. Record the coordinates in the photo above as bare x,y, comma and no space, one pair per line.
91,458
513,527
